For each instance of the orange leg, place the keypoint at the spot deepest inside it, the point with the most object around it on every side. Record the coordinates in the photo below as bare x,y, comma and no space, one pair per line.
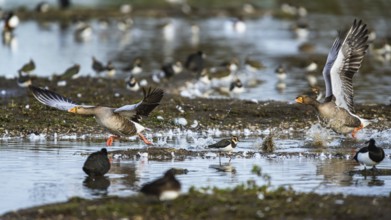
356,130
111,139
144,139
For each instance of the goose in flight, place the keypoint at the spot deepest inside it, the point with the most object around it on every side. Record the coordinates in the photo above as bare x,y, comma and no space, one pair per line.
343,61
123,121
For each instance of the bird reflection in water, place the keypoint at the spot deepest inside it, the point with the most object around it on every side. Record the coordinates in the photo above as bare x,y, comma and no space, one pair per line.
97,185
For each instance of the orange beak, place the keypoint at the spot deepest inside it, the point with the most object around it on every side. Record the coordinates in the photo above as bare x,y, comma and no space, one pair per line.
299,99
73,110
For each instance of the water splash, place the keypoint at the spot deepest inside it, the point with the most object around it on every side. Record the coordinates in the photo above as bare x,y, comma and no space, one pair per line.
318,135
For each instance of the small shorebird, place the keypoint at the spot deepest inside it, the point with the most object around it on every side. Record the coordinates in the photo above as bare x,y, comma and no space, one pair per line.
123,121
28,67
136,67
97,66
42,7
370,155
11,21
97,163
236,86
110,69
165,188
24,79
132,84
225,145
232,65
253,65
280,72
171,69
70,73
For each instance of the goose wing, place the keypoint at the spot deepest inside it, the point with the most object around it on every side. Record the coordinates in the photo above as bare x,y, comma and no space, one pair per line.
52,99
347,63
151,100
331,57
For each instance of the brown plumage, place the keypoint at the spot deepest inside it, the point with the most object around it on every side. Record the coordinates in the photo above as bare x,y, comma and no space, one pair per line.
123,121
338,119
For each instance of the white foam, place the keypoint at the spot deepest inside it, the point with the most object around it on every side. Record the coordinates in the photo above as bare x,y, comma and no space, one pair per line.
39,137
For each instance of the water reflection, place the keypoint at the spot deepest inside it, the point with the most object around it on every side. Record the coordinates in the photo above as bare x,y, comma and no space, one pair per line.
97,185
369,181
225,167
336,171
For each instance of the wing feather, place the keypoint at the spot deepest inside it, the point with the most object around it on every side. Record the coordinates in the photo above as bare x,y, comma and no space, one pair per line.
331,57
221,144
151,100
52,99
347,63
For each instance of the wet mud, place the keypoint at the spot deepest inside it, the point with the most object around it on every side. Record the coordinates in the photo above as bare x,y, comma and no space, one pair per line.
22,115
246,201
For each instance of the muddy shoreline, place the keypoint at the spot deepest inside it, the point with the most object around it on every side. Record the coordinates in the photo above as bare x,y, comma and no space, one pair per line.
22,115
246,201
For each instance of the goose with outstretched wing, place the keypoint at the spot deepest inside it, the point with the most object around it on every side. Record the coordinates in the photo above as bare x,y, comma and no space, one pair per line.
343,61
123,121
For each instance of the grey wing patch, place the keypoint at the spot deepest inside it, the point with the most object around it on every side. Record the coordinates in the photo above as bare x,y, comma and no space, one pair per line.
331,57
52,99
353,49
128,111
151,100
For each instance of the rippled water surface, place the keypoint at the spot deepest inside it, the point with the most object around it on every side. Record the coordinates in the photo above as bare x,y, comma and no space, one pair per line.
39,172
36,171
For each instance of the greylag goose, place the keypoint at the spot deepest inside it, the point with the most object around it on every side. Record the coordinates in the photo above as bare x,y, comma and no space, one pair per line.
343,61
123,121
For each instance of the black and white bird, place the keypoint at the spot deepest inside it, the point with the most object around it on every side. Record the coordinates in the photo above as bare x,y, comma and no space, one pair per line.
110,69
370,155
11,21
280,72
164,188
97,163
135,67
132,84
236,86
225,145
171,69
83,31
24,79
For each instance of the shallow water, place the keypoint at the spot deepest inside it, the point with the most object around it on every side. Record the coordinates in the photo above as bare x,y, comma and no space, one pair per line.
269,40
37,171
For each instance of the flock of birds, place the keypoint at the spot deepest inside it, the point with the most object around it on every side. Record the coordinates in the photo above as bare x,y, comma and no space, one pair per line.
336,111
